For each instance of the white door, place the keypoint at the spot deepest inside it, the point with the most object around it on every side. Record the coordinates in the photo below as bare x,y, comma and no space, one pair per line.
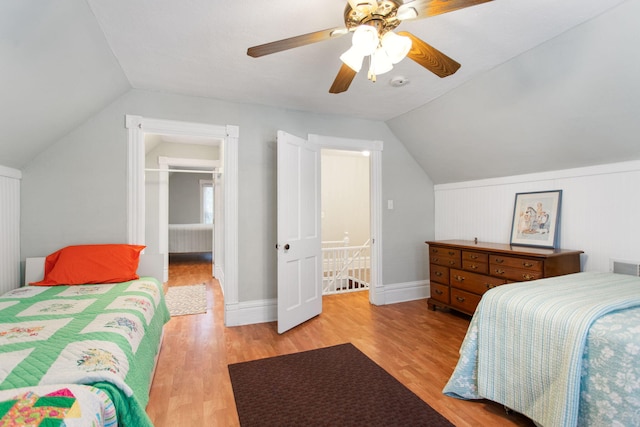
299,236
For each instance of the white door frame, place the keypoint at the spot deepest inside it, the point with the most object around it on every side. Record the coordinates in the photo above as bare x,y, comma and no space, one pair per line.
137,126
376,287
166,163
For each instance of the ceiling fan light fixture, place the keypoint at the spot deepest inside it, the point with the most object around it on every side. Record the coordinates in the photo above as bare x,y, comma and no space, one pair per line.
365,39
380,62
353,58
405,12
396,46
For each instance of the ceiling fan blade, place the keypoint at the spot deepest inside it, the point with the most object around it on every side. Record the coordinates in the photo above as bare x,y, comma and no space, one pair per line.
297,41
429,57
343,79
426,8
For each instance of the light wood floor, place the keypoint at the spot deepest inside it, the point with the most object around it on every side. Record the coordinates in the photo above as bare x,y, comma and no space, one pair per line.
417,346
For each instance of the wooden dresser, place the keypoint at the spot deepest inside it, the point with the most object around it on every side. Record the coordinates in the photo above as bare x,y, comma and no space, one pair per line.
461,271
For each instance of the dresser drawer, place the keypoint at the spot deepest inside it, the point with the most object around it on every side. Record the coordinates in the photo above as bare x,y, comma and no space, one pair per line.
524,263
515,274
475,256
445,261
440,292
444,252
478,267
464,301
473,282
439,274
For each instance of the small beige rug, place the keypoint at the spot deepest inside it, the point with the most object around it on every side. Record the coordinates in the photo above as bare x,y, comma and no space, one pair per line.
183,300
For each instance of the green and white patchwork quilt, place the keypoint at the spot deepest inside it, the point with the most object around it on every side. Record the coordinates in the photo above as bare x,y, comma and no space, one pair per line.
102,335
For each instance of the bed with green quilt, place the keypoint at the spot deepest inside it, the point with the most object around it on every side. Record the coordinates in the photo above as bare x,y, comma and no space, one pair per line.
103,336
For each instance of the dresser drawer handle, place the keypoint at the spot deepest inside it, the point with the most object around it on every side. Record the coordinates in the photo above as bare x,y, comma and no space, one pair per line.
452,263
474,256
459,278
438,292
490,286
460,299
452,253
436,260
527,264
434,250
499,260
438,273
499,271
528,277
473,267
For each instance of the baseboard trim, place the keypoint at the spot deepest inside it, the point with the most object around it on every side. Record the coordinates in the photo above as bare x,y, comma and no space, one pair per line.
250,312
263,311
407,291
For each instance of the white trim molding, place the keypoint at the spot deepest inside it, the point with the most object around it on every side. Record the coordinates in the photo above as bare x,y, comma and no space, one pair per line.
228,136
251,312
263,311
376,287
605,169
408,291
10,172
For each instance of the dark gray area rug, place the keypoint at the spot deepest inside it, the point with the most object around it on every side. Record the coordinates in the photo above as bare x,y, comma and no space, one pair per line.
332,386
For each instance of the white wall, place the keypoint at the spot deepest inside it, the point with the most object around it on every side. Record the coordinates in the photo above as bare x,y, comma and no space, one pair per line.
76,191
184,197
9,229
345,196
598,214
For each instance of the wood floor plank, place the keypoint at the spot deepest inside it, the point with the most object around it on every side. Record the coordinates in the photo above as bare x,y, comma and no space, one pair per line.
417,346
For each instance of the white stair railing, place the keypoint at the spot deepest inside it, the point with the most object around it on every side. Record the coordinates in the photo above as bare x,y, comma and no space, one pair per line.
345,268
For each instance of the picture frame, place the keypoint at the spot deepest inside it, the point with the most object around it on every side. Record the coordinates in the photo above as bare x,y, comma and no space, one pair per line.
536,219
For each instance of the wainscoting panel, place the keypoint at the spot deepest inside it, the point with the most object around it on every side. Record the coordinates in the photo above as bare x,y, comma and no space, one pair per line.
599,212
9,230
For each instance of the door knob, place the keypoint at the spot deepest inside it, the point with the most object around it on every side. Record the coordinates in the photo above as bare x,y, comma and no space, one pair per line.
286,247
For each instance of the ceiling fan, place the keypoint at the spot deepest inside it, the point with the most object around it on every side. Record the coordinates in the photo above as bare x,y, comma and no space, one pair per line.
372,23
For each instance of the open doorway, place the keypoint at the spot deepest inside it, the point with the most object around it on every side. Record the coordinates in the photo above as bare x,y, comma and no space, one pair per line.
179,215
226,265
345,216
191,217
299,247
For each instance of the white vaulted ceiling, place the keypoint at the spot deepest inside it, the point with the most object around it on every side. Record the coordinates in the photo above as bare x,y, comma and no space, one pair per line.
88,53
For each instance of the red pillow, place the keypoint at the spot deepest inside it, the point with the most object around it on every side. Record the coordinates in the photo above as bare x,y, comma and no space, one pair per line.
82,264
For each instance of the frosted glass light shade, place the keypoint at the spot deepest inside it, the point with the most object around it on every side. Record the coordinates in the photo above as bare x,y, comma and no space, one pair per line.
365,39
353,59
396,47
380,62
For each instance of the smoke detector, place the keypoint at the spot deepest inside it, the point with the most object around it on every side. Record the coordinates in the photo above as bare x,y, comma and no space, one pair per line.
399,81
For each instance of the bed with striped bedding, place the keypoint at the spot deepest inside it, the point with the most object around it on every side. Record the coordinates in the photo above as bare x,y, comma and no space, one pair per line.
562,351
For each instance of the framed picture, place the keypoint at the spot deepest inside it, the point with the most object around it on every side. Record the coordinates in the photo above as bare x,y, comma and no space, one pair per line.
536,219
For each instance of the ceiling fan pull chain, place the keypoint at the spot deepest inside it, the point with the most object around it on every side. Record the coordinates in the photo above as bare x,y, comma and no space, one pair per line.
370,75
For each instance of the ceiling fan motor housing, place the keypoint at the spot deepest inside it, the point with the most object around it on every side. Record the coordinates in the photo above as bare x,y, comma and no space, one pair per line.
383,18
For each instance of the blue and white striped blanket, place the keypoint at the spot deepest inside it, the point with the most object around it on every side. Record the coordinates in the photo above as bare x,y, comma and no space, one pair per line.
525,346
